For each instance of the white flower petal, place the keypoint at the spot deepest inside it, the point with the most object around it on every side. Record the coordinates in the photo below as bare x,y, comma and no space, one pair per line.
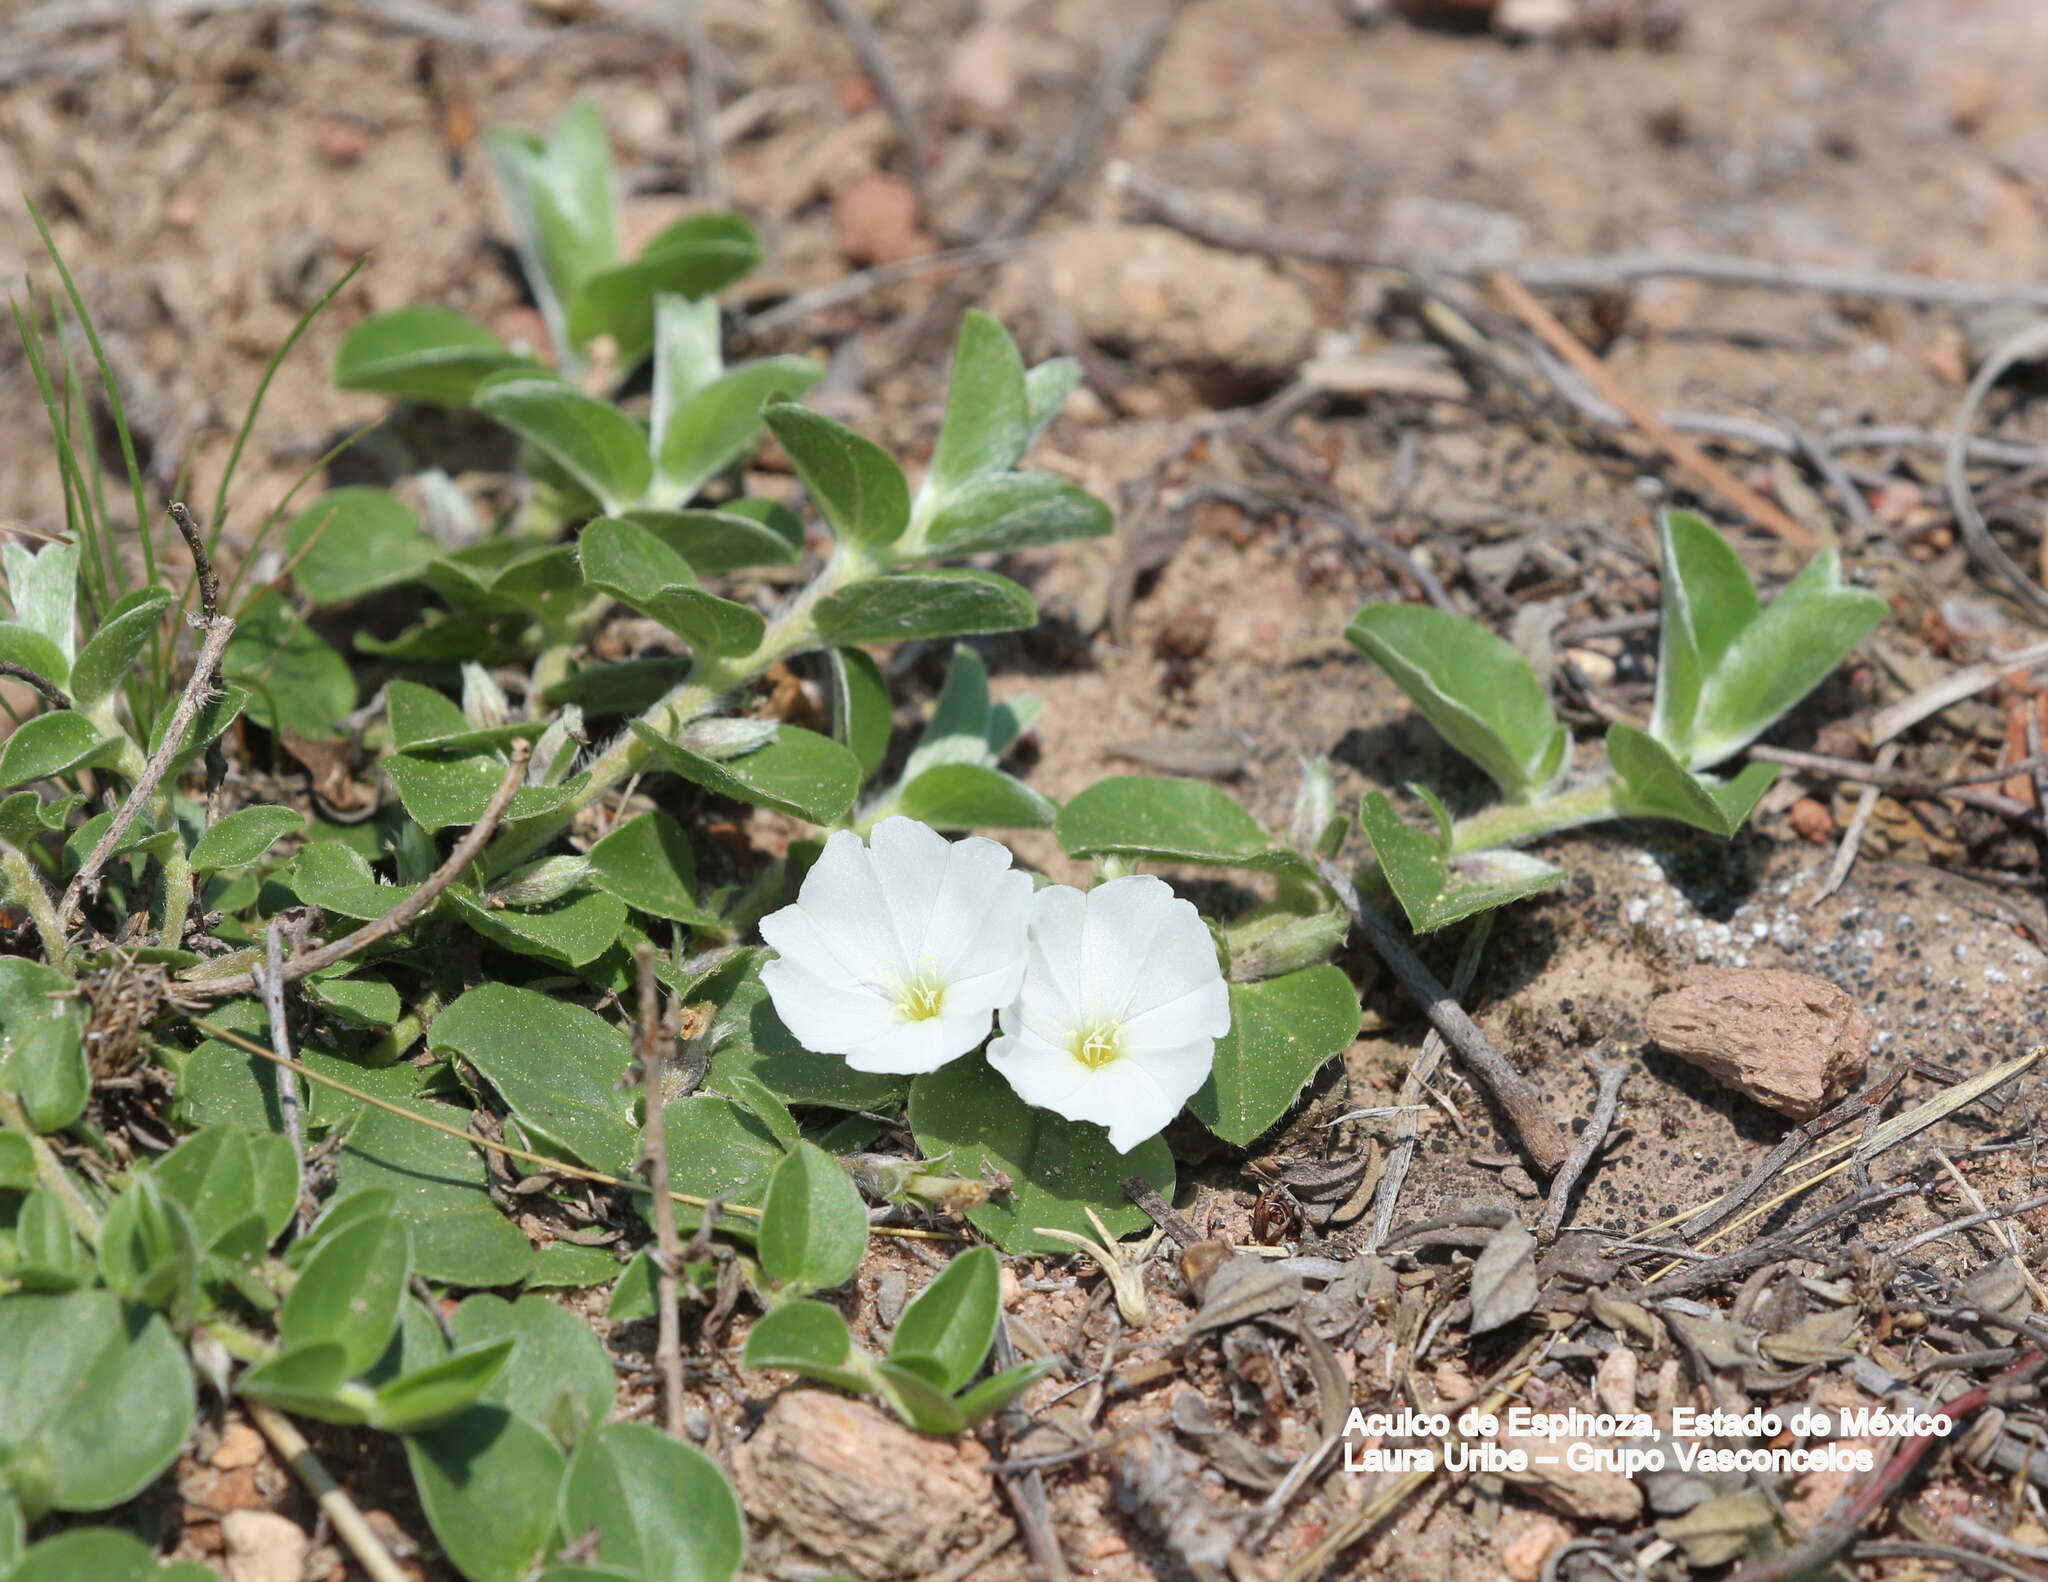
799,940
1202,1011
1052,970
1124,917
841,896
911,1048
826,1018
1042,1073
979,915
909,861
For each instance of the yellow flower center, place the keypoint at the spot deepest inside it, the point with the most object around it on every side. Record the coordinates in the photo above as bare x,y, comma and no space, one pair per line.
920,1001
1095,1047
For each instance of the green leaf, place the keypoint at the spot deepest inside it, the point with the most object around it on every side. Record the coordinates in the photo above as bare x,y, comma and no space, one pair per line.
958,731
42,1042
903,605
105,661
329,875
799,772
310,1381
573,930
809,1338
630,686
362,1002
17,1163
1282,1032
1707,601
751,1041
421,353
213,1174
505,576
1058,1168
50,745
24,645
1811,627
814,1227
440,787
558,1375
428,1397
562,1265
718,425
694,257
919,1402
953,1321
1434,890
354,541
718,1149
48,1256
42,585
857,486
296,681
459,1235
861,710
647,863
1480,694
348,1292
1654,784
1168,820
661,1508
993,1394
216,714
640,571
687,353
598,445
737,534
100,1395
558,1067
967,796
1012,511
102,1553
277,1181
243,837
26,817
1046,389
561,194
149,1250
988,420
487,1481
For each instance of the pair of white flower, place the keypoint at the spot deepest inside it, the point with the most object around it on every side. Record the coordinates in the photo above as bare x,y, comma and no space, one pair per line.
897,953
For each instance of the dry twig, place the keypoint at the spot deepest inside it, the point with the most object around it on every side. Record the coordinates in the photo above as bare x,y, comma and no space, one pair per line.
400,916
668,1252
1611,1075
270,982
342,1513
1509,1089
874,60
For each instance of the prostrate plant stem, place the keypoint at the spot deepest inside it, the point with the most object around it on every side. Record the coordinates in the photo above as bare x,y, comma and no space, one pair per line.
1517,824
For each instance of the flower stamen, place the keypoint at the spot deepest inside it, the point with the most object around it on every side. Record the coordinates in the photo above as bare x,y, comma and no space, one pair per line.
921,1000
1095,1047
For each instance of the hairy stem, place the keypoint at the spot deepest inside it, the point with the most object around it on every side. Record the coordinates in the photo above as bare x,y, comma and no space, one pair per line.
50,1171
1517,824
794,631
25,886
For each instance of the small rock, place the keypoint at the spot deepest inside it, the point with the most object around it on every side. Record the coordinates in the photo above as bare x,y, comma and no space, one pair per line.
1170,302
1589,1495
1792,1041
878,220
240,1446
981,76
859,1491
1614,1381
1523,1555
1532,19
263,1546
1811,819
341,140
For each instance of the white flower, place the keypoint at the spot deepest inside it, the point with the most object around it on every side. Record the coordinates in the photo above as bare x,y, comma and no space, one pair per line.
897,954
1120,1011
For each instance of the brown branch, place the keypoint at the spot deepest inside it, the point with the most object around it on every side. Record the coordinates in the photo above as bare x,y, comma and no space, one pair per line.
271,984
668,1259
196,692
1687,455
874,60
1904,784
42,683
1516,1097
400,916
1611,1074
202,563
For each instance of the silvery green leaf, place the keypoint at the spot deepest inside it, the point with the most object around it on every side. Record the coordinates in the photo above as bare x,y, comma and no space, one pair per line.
484,703
1474,688
538,883
722,740
560,194
43,588
957,732
1046,389
595,443
1435,889
1707,600
856,485
987,422
687,353
1315,803
717,427
1011,719
1655,784
554,755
